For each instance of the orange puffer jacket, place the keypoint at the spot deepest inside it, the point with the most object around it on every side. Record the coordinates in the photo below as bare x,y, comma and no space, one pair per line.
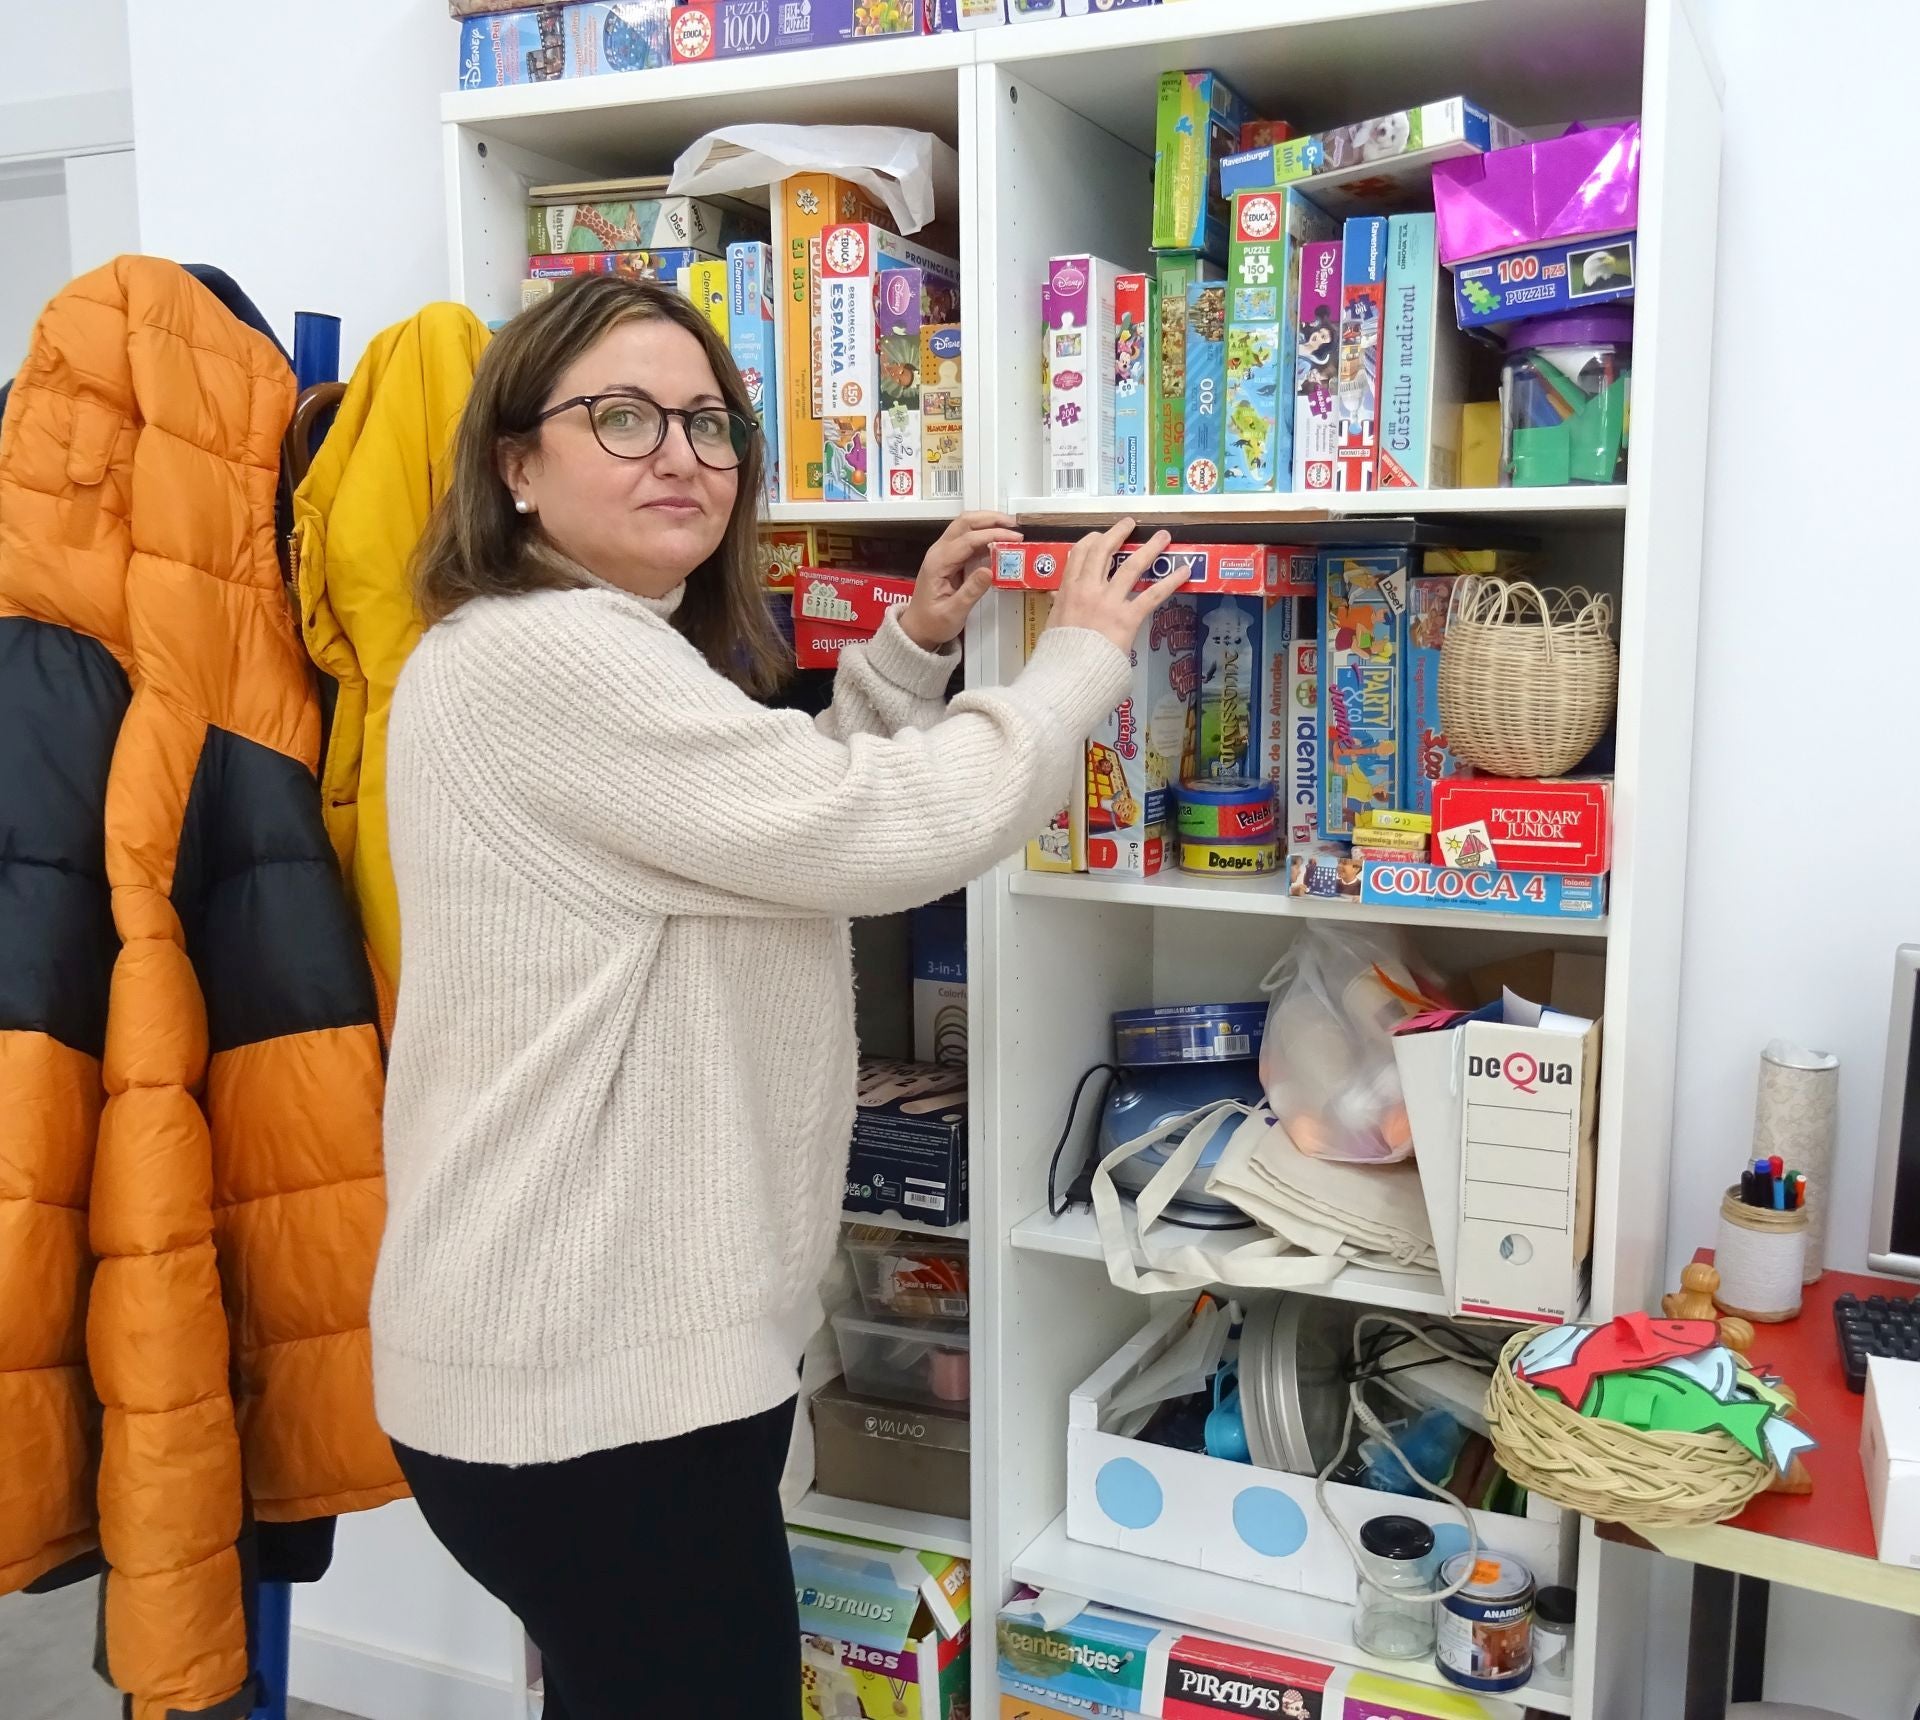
190,1176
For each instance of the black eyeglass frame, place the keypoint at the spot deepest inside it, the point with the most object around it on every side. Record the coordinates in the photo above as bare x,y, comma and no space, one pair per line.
746,428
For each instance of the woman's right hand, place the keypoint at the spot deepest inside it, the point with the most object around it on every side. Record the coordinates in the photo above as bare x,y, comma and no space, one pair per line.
1106,603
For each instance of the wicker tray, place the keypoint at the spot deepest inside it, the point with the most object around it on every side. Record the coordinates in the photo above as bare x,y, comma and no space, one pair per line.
1611,1473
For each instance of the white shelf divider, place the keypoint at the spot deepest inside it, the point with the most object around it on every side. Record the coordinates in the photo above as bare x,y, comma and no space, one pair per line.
1075,1236
918,1226
861,513
1598,502
1205,1600
1269,896
923,1529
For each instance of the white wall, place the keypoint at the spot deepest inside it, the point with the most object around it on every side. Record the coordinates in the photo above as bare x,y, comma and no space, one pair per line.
60,49
298,147
33,214
1806,708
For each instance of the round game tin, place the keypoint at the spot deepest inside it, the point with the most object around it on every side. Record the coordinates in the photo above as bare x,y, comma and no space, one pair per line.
1233,809
1219,858
1189,1033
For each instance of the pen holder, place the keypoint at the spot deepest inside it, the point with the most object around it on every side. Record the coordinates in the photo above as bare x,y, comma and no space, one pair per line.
1760,1255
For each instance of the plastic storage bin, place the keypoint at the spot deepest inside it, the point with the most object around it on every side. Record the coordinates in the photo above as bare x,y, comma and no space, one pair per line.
1564,392
907,1275
906,1361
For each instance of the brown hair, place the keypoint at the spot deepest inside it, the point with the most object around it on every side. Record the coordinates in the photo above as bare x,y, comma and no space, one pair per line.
477,545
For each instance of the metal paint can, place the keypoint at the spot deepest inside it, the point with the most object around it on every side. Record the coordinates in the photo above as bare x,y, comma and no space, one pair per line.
1485,1635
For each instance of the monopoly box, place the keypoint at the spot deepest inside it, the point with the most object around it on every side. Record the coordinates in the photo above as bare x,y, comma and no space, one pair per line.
546,43
722,29
1251,567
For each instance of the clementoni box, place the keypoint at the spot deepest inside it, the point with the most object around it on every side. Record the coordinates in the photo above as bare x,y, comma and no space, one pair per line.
1256,281
1356,387
750,287
1363,595
943,462
810,203
1143,747
1426,757
1205,439
1078,308
1197,126
704,285
1134,325
1173,273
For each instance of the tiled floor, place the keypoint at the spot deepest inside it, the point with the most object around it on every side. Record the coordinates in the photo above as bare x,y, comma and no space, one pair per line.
46,1661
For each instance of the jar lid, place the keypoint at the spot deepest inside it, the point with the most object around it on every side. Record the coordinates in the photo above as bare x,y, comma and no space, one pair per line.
1396,1537
1554,1606
1225,791
1490,1576
1603,325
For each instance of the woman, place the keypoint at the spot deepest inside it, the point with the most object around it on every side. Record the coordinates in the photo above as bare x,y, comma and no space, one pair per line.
622,1078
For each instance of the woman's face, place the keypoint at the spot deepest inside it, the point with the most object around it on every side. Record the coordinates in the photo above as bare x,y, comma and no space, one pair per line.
643,524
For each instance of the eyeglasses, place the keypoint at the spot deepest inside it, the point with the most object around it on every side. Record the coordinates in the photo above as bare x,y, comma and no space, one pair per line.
630,426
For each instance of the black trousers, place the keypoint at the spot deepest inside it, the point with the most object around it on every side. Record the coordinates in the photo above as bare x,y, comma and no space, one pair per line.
654,1578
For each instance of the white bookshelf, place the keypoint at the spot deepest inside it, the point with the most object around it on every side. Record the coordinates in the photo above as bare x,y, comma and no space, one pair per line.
1053,126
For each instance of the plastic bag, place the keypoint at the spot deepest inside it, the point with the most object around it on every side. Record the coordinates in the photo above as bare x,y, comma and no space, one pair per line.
912,172
1327,1059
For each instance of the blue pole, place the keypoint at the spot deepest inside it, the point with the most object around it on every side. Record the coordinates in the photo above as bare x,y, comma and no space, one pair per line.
273,1623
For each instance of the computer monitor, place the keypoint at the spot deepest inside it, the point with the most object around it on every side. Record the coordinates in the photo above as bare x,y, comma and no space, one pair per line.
1893,1244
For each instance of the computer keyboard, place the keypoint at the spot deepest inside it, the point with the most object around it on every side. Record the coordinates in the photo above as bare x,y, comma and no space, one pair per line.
1875,1326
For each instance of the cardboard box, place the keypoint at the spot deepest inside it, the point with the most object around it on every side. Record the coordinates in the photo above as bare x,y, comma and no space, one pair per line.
1267,167
885,1634
1078,308
1544,280
1206,426
810,203
909,1153
1560,826
546,43
626,224
1135,321
1242,567
1536,895
723,29
879,1453
634,265
944,16
1316,429
1426,757
750,284
1362,600
1890,1457
899,311
1062,846
939,957
1256,280
1356,389
1231,634
705,286
1202,1522
1423,365
1173,273
1301,737
833,609
870,330
1143,748
943,460
1435,131
1197,125
784,550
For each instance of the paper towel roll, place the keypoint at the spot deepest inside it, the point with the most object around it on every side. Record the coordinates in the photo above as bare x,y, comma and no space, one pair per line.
1795,1113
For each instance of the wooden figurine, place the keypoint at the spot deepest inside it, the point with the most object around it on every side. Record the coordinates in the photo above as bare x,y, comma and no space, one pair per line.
1694,1299
1737,1335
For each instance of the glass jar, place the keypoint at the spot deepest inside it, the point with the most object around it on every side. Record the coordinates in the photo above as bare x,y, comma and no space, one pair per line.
1553,1633
1395,1616
1564,397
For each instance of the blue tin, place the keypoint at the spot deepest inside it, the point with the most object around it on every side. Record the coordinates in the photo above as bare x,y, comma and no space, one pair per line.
1189,1033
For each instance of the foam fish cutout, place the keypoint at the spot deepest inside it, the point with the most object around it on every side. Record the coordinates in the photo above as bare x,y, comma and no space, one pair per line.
1656,1400
1554,1348
1631,1342
1785,1442
1717,1370
1766,1387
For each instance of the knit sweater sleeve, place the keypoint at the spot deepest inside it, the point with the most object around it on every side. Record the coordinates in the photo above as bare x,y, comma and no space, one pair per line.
606,729
888,684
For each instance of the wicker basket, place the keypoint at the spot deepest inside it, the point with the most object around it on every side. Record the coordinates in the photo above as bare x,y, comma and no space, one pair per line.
1611,1473
1527,678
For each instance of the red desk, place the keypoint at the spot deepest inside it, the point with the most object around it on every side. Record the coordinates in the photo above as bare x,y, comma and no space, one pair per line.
1821,1541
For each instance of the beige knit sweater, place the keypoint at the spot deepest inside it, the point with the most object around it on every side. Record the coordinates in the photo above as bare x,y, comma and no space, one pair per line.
622,1079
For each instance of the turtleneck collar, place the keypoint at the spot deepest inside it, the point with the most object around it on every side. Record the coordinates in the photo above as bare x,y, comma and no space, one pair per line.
663,607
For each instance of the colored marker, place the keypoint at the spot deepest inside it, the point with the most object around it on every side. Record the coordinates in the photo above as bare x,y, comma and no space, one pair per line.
1780,1194
1777,1165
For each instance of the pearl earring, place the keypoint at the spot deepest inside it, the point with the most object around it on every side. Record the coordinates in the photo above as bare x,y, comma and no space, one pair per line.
521,505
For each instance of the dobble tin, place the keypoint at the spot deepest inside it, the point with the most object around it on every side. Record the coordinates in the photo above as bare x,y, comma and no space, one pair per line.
1222,859
1484,1639
1230,809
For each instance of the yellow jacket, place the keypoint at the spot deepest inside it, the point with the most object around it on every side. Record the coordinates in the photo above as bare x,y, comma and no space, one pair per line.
356,519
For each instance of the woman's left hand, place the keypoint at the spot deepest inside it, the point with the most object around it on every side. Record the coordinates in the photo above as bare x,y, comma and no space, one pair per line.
954,577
